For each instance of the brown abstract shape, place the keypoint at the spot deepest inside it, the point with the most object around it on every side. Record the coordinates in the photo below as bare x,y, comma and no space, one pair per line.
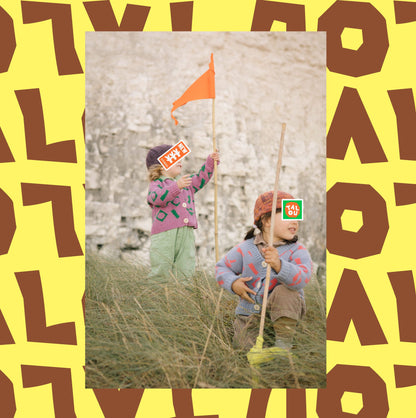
8,40
36,330
405,193
405,376
182,403
63,34
405,11
5,334
359,379
83,123
370,238
369,57
257,406
36,146
61,380
6,155
404,107
7,222
62,214
83,305
266,12
295,403
8,401
181,15
102,16
403,286
351,121
116,403
351,303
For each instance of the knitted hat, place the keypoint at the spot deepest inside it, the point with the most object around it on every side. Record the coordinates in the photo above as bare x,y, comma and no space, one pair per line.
155,153
265,201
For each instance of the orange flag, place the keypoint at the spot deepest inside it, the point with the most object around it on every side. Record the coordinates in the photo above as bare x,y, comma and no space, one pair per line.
202,88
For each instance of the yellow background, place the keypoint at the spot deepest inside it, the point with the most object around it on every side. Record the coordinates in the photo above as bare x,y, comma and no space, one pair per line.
33,247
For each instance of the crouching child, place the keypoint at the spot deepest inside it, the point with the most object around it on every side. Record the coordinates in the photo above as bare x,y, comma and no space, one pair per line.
242,271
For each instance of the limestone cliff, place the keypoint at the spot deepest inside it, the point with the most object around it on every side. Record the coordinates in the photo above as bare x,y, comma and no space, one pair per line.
262,80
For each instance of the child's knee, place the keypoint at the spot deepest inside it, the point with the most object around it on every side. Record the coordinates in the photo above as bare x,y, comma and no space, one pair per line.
284,302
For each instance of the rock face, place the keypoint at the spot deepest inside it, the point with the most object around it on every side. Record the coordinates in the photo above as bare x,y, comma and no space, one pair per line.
262,80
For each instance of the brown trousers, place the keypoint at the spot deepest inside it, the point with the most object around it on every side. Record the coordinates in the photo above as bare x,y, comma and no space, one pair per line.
285,307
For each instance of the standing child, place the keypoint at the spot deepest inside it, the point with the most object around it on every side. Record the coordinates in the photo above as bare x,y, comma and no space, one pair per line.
171,198
243,272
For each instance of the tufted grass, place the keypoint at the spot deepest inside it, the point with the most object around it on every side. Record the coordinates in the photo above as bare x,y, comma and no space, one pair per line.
142,334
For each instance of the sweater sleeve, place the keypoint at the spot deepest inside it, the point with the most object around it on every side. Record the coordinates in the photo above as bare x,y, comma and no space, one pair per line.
204,174
229,269
162,192
296,272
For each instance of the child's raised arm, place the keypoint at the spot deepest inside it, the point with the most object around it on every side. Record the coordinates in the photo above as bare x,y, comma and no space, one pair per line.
203,176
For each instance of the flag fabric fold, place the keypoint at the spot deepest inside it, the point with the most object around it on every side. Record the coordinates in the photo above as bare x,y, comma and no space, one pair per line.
202,88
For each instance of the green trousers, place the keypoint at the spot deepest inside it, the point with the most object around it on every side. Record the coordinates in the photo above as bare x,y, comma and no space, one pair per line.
173,251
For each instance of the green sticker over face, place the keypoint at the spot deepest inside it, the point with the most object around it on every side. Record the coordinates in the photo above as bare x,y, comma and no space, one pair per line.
292,209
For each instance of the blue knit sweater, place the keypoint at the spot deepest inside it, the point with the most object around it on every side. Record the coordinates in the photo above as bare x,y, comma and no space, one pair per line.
245,260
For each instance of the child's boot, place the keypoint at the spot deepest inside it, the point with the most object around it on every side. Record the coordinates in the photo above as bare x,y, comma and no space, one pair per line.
284,329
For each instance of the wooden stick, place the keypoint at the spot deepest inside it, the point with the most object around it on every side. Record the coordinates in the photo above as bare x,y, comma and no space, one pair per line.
271,236
217,257
215,184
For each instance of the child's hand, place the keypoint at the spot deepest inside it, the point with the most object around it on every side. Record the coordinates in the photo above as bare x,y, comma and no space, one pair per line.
240,288
184,181
271,256
215,156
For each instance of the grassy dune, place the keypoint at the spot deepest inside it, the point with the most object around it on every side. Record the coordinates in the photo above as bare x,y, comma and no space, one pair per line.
144,334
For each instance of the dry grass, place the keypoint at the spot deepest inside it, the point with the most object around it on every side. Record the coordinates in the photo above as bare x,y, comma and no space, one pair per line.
142,334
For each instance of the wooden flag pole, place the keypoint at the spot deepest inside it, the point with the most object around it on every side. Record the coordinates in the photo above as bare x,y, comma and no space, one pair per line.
217,308
215,184
273,216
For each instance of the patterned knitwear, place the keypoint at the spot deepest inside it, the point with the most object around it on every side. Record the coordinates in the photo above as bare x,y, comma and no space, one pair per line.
245,260
173,207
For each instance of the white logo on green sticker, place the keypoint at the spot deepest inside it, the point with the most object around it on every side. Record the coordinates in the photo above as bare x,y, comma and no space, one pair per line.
292,209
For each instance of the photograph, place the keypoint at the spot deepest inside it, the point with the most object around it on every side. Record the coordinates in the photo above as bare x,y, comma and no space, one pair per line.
205,210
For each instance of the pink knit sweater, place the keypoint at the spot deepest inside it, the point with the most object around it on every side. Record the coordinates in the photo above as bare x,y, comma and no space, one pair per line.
173,207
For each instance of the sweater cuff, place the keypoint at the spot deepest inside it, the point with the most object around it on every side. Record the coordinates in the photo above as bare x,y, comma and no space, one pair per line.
227,284
231,286
209,163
